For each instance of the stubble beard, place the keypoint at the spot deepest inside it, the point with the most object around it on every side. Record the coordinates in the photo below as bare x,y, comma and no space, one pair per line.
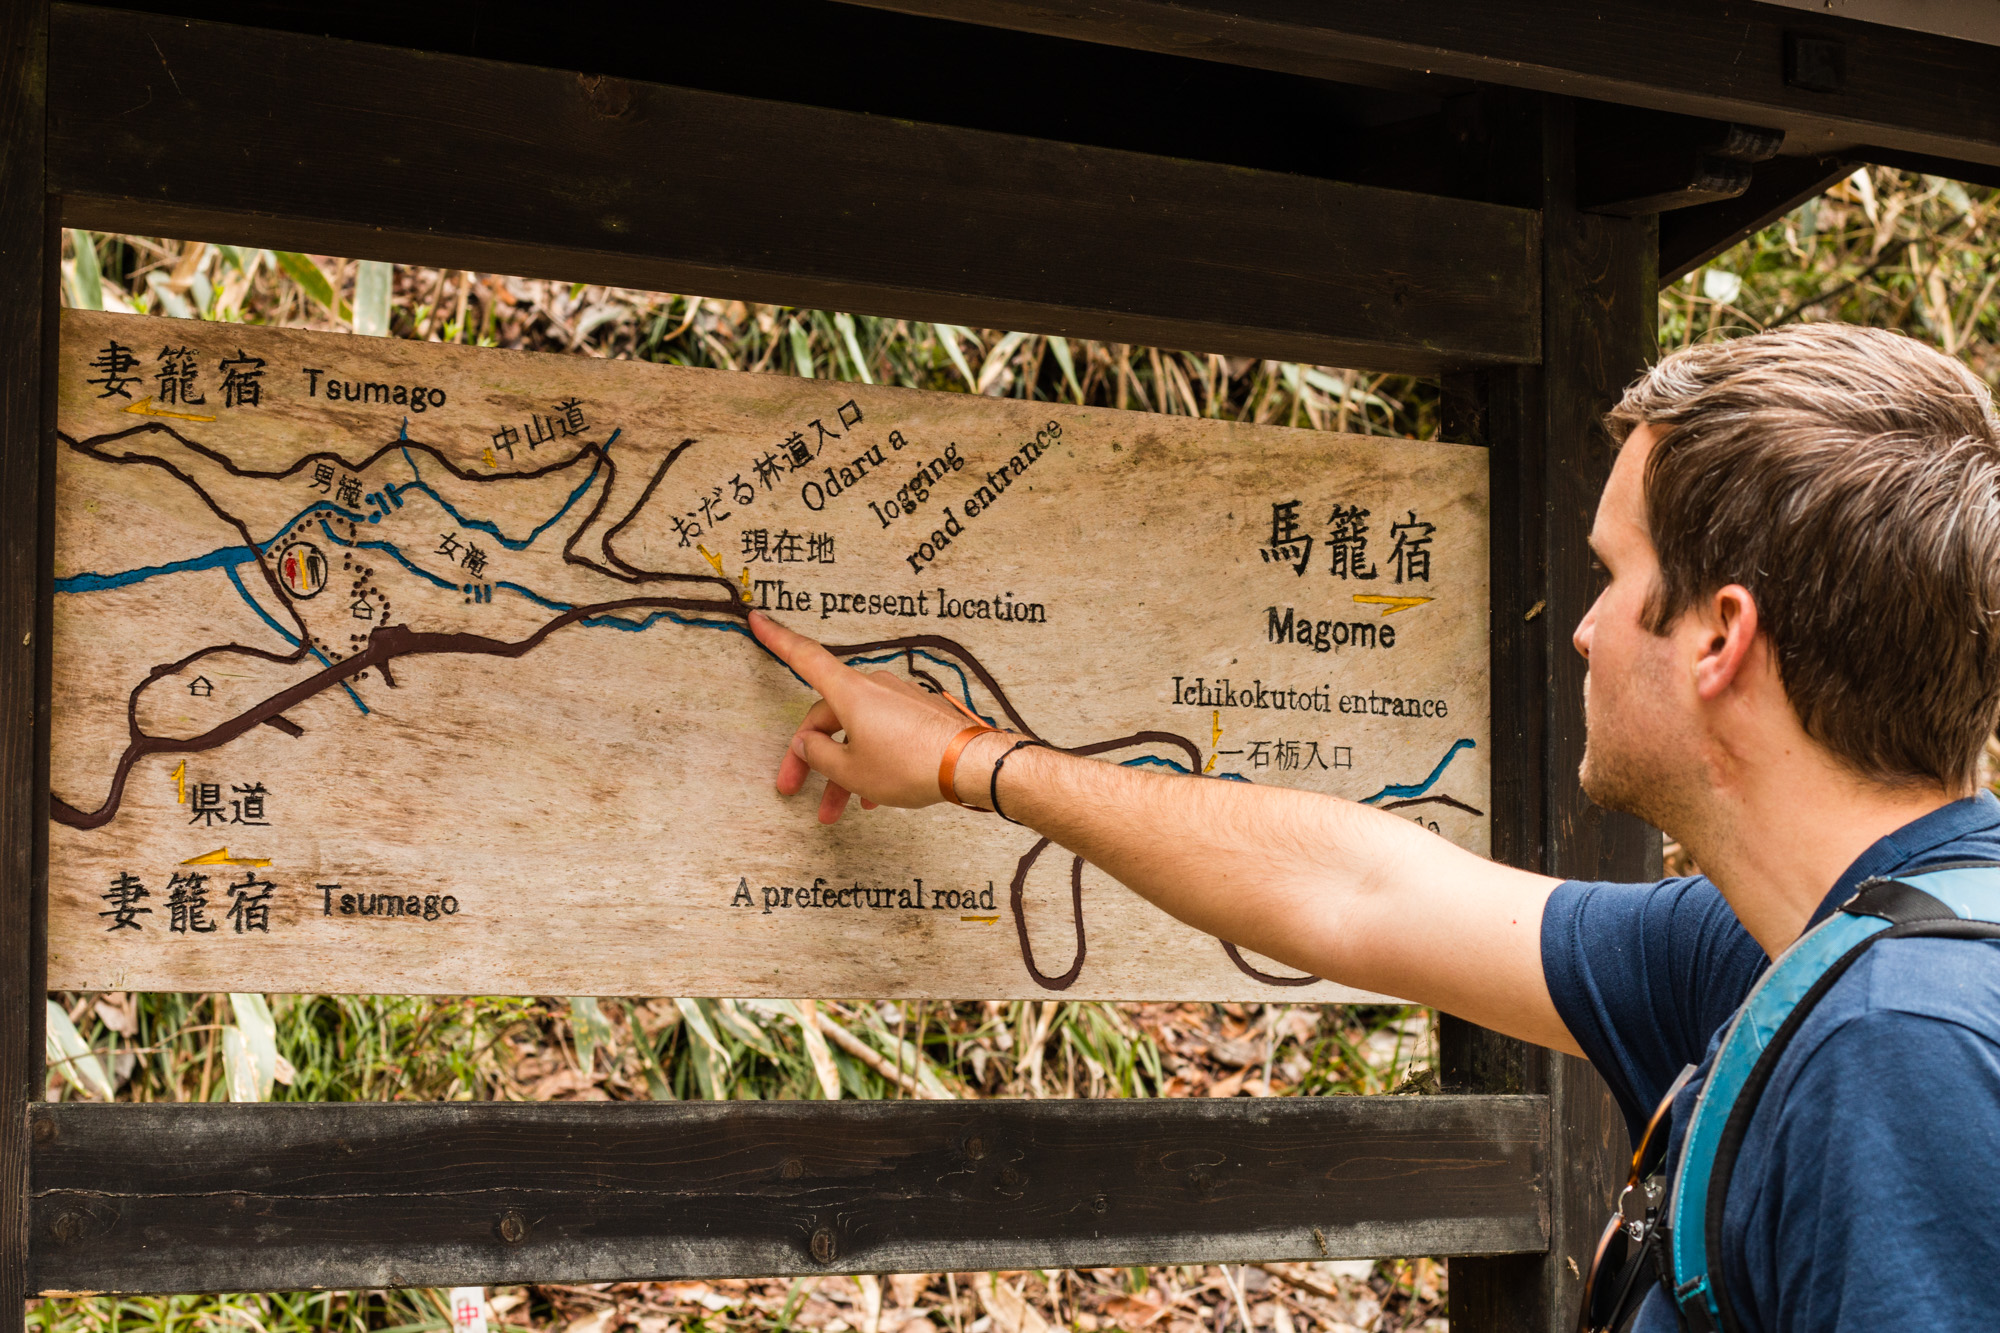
1627,762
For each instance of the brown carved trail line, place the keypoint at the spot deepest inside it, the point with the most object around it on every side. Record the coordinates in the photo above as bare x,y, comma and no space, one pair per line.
1018,888
384,645
390,642
1451,801
610,534
587,449
907,642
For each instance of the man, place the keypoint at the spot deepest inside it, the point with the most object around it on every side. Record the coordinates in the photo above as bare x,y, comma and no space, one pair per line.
1794,666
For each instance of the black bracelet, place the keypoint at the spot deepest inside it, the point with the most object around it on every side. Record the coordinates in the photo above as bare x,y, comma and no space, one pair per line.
993,783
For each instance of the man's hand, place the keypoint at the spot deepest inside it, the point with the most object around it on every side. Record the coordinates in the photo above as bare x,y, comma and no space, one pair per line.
1340,890
896,731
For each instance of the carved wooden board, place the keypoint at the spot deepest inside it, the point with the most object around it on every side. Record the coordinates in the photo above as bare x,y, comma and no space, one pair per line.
398,667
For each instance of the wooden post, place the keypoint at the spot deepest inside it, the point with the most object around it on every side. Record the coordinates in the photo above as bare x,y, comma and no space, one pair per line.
1550,459
27,300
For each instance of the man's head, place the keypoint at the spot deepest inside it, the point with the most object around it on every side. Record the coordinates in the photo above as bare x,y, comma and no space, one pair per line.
1819,504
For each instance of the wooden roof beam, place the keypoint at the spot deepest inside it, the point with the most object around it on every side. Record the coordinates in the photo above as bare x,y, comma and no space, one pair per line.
1831,84
161,126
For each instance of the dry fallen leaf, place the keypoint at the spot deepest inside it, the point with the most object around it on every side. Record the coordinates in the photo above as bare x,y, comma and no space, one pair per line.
1009,1309
1228,1087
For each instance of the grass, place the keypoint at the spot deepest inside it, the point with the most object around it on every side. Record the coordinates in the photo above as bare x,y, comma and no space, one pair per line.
1885,248
167,1048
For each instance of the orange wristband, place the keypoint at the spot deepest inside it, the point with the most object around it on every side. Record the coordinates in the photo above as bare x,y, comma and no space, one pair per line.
948,766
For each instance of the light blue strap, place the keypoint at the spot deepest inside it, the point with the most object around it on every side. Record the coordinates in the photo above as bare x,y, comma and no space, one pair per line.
1973,892
1749,1033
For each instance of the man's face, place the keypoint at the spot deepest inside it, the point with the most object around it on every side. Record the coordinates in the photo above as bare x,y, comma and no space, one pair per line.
1639,754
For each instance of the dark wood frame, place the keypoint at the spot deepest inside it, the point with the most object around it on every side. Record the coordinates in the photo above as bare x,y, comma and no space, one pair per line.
1481,270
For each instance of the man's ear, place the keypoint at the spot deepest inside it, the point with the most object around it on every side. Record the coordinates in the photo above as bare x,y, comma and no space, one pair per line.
1727,633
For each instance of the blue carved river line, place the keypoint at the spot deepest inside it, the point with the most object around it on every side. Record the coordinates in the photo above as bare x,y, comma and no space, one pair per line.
229,557
1403,791
226,558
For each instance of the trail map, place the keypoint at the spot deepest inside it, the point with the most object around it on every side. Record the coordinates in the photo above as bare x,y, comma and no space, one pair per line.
398,667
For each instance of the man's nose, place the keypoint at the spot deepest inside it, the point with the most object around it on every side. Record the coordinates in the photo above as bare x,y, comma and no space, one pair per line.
1580,636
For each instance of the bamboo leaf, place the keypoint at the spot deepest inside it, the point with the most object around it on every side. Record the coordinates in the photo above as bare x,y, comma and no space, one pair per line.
84,280
372,282
704,1031
1060,346
996,360
590,1029
948,334
905,1056
259,1033
806,1014
802,356
312,280
72,1055
167,298
711,1072
239,1066
845,323
1344,389
739,1025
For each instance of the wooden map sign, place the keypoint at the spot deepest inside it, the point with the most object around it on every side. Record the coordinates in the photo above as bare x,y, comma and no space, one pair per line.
395,667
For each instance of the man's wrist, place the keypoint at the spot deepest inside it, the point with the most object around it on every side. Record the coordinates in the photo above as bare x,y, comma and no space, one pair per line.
973,779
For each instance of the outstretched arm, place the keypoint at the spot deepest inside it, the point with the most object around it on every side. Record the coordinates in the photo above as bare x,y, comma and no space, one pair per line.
1341,890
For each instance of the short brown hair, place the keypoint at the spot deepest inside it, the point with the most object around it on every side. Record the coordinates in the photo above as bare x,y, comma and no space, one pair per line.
1850,479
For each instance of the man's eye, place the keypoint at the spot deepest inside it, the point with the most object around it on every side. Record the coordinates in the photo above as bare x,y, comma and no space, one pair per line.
1600,577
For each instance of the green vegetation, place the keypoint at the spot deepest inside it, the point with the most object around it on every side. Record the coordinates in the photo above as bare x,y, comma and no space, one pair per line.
1882,248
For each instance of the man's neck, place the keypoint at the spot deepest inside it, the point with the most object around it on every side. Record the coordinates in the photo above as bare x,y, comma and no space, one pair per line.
1785,838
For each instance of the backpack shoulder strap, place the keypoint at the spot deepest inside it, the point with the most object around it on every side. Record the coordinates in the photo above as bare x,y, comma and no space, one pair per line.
1959,900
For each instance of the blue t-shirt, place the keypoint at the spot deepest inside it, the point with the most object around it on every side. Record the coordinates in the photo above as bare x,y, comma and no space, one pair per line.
1867,1193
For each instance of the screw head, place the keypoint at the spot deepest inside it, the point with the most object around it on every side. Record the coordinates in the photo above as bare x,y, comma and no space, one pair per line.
792,1169
822,1245
513,1227
45,1130
68,1227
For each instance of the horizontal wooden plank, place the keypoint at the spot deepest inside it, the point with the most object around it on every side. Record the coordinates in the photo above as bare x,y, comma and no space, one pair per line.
258,1197
1723,59
373,151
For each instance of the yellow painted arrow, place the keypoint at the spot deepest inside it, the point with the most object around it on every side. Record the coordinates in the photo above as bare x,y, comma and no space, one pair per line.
711,557
221,857
1391,605
144,408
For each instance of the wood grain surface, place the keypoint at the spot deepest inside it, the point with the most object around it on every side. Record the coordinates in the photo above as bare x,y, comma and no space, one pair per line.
1550,459
356,697
422,158
287,1196
27,310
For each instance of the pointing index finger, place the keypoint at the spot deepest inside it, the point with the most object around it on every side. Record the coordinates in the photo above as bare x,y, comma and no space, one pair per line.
815,665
